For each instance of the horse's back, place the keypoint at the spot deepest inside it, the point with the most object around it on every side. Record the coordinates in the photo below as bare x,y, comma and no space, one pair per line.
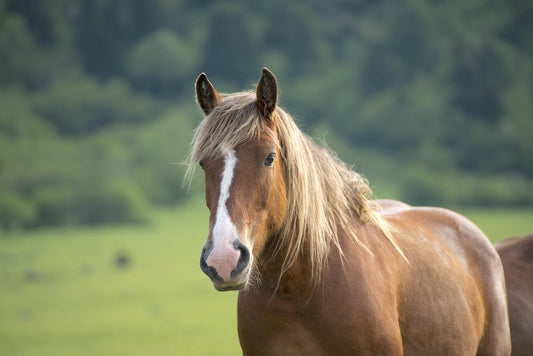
455,256
517,259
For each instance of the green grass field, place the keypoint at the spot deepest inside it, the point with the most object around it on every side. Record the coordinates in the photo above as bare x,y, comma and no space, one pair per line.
62,293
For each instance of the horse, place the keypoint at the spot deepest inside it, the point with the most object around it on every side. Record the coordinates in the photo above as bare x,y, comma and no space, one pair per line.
517,259
322,268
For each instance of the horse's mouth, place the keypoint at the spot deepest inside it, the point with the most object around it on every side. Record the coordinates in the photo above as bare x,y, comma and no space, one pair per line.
226,287
238,283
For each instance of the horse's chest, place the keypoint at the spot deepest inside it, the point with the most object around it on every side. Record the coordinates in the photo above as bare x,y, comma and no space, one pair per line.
282,326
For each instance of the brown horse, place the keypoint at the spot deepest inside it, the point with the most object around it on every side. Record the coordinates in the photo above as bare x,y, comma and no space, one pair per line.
517,259
321,269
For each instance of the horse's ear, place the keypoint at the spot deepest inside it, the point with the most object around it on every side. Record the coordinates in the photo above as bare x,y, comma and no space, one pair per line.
206,95
267,93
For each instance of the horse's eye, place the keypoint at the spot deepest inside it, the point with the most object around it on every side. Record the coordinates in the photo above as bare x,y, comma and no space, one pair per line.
201,164
269,161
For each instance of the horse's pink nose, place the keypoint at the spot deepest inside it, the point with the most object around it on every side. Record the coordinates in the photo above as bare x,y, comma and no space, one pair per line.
225,264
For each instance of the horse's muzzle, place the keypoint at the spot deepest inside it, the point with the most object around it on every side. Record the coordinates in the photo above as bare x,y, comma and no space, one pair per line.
227,268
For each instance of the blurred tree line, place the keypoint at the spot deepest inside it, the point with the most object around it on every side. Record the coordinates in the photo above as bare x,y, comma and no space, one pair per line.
96,96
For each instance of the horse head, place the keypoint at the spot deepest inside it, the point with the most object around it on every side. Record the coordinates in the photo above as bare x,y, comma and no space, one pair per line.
244,181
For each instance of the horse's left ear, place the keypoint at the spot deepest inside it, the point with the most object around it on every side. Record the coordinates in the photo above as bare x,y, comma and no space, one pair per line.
267,93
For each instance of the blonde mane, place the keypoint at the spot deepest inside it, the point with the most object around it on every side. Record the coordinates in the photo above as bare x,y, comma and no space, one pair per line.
323,194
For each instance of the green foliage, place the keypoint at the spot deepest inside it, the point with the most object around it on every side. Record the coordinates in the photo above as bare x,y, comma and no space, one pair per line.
52,204
117,201
160,60
101,178
78,106
157,161
423,187
17,121
14,210
18,52
431,100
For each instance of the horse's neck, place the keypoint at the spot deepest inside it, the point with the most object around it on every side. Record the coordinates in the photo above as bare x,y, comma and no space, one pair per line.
298,278
296,283
293,281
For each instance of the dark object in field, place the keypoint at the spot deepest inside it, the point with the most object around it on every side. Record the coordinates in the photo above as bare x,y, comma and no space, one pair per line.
32,274
517,258
122,260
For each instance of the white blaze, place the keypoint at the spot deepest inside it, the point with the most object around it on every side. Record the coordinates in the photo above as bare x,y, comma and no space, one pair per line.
223,255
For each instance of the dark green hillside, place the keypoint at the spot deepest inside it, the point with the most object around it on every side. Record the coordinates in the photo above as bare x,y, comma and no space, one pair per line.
432,100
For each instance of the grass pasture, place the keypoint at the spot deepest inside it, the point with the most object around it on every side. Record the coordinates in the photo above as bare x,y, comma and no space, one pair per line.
64,292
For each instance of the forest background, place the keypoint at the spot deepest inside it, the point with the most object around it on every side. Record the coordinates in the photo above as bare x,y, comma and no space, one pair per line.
431,100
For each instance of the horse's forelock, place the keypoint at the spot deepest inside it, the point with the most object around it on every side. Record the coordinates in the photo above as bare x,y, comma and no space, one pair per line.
234,121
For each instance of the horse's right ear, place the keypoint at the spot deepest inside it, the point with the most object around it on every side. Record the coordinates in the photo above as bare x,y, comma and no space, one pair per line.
206,95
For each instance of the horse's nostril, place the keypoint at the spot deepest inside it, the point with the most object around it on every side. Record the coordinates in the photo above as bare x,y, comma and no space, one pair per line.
244,258
209,270
203,257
